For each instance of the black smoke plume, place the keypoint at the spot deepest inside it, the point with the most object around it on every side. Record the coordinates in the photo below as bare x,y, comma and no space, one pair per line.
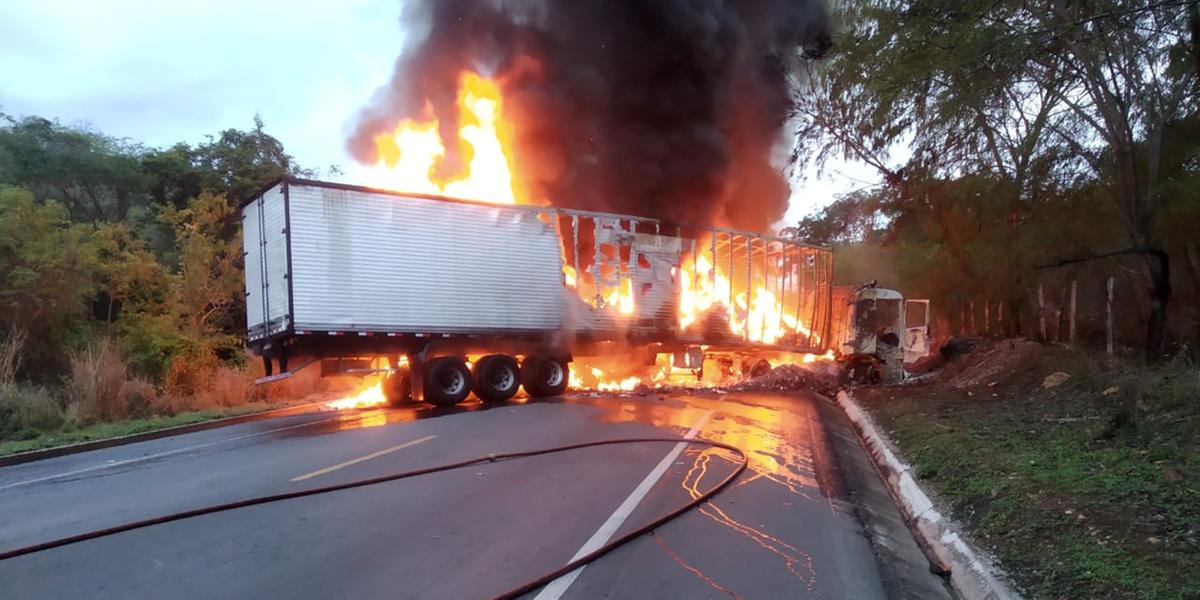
671,109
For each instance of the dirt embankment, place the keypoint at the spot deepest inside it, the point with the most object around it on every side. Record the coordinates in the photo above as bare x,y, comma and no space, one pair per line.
1079,472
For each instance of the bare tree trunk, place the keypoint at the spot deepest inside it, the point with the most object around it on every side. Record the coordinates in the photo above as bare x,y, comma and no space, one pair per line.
1042,312
1193,256
1071,324
1159,264
1108,323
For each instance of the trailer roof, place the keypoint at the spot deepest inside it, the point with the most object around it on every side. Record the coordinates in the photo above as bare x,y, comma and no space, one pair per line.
553,209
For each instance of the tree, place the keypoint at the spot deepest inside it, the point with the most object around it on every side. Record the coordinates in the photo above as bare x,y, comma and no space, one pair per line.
47,276
1131,75
208,289
95,176
1039,96
239,162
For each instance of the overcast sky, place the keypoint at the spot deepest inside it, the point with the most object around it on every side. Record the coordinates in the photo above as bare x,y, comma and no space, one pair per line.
168,71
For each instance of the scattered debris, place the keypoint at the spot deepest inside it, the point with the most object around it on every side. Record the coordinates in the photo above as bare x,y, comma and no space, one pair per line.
1110,391
978,362
958,346
1055,379
791,377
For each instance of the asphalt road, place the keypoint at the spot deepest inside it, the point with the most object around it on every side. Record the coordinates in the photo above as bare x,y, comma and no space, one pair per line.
784,530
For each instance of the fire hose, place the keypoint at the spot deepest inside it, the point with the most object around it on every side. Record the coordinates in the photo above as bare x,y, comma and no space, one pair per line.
513,593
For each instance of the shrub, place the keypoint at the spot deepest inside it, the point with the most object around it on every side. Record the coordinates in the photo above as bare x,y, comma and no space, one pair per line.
26,411
229,386
97,382
10,355
142,399
204,382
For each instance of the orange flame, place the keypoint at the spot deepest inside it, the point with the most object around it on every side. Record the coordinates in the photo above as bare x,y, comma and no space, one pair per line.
366,397
763,318
410,155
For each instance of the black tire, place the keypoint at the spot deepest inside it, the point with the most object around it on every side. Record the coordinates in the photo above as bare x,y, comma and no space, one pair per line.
862,371
497,378
760,368
397,388
543,376
447,381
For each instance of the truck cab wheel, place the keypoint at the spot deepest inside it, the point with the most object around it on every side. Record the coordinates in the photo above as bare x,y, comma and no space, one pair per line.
447,381
545,376
861,371
497,378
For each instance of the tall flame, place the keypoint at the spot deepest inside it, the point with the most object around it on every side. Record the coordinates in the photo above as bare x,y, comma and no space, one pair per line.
409,155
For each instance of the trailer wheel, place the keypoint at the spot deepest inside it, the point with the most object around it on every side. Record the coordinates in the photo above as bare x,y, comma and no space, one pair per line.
545,376
447,381
497,378
397,387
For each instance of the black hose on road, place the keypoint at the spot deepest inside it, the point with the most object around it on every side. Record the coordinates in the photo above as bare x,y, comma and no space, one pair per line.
513,593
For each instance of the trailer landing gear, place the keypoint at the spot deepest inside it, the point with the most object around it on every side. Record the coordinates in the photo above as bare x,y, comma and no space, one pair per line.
397,387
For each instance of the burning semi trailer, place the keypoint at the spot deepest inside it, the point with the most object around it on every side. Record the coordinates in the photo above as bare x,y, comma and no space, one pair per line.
557,194
440,297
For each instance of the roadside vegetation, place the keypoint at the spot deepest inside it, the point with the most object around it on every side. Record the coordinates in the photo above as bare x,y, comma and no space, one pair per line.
1084,486
121,280
1039,170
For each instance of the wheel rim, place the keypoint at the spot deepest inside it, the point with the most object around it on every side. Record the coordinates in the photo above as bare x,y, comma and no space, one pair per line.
502,377
452,382
552,373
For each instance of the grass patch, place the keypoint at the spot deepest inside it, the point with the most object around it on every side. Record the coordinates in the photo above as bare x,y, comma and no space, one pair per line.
1088,489
98,431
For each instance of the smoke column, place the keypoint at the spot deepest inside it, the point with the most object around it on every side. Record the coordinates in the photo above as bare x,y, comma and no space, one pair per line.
672,109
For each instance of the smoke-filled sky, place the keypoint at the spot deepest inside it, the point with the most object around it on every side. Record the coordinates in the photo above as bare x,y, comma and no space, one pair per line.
170,71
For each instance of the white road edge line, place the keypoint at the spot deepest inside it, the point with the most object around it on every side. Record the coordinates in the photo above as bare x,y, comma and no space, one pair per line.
555,589
109,465
355,461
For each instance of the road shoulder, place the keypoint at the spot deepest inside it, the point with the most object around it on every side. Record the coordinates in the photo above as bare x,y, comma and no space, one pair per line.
903,566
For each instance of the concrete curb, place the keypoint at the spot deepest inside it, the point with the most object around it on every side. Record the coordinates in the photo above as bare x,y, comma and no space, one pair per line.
970,575
35,455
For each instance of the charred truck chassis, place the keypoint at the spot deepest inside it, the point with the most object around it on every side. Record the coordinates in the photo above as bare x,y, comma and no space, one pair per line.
531,361
422,367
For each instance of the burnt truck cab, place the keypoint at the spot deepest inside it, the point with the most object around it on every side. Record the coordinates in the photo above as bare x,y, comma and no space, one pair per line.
877,332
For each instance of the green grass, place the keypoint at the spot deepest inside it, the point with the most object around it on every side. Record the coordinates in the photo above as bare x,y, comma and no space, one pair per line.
37,440
1065,499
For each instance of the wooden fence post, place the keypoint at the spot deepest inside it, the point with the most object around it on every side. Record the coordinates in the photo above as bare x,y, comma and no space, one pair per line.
1042,312
1071,326
987,318
1109,322
974,328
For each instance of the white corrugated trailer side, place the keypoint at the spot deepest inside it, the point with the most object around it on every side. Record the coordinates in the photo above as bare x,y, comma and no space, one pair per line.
349,261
